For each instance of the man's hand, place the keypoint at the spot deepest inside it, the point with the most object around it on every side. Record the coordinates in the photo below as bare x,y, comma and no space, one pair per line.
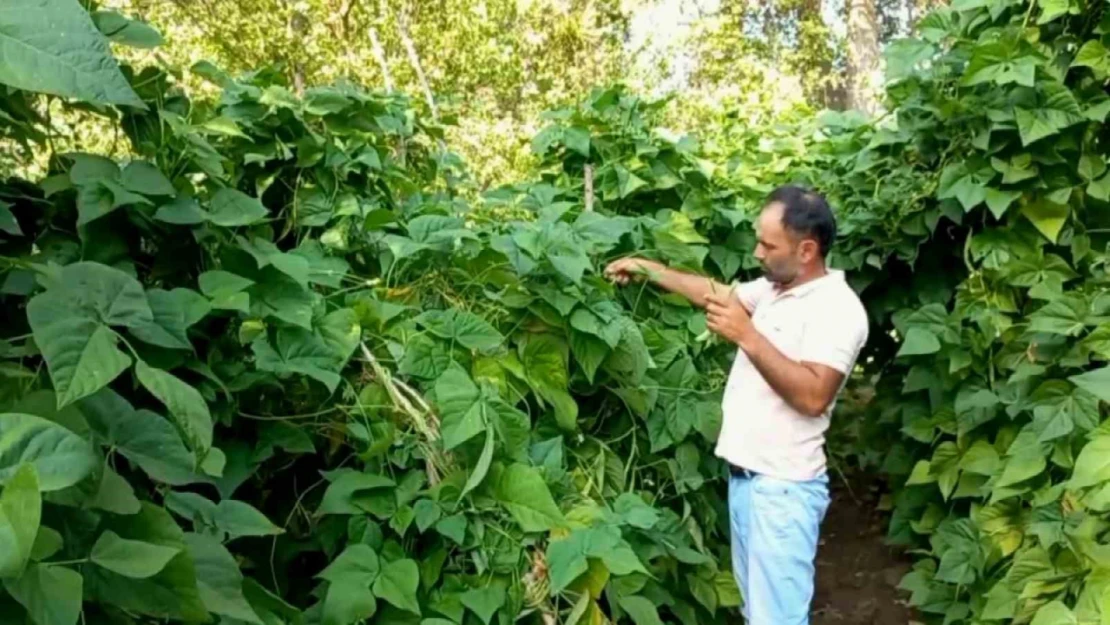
726,316
625,270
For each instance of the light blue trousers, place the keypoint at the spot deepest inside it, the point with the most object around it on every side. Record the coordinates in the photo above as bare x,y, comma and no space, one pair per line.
775,526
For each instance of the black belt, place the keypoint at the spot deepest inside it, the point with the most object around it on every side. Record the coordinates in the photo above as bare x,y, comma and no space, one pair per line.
736,471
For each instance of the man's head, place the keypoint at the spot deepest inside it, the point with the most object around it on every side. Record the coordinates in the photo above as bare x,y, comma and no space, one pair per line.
795,231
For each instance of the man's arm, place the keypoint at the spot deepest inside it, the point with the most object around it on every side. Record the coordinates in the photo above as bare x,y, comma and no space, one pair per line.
807,386
691,286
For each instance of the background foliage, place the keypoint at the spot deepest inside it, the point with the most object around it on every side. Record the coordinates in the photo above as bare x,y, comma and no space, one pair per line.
281,360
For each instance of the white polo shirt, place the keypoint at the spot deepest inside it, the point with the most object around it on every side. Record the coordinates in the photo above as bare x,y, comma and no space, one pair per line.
821,321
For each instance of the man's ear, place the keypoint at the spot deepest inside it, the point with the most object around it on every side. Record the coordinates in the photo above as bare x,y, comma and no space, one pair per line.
809,250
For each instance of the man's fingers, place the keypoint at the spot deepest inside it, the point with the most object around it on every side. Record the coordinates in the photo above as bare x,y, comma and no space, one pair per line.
713,308
720,299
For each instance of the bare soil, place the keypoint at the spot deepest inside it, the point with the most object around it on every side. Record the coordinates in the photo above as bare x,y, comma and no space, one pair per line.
857,573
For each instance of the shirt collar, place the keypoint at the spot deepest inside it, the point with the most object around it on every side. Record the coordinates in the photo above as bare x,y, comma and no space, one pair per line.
831,277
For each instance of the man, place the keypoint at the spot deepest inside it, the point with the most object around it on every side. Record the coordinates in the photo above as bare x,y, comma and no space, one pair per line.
799,330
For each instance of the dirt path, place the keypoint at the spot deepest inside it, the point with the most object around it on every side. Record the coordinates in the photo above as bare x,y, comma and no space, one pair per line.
857,574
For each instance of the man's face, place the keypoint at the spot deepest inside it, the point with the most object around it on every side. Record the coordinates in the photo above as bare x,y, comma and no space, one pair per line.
780,252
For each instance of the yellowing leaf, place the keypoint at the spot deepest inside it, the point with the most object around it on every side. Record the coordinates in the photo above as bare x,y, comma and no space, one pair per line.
1048,217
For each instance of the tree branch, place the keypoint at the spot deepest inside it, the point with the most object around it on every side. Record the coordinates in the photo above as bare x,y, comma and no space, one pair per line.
414,60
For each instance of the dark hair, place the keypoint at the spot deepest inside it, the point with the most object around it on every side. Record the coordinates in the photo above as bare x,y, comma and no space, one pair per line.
806,214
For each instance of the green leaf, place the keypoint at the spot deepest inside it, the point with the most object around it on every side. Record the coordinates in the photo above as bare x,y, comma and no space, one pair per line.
1092,466
344,486
70,325
1054,613
115,494
218,579
903,56
424,358
635,512
577,139
322,269
1093,55
266,254
1001,63
196,508
143,437
172,593
130,558
348,602
1057,110
1100,188
47,543
184,211
279,435
544,359
54,47
174,312
301,352
426,512
20,514
566,560
60,457
142,177
358,564
1091,166
8,222
464,414
919,341
91,168
627,182
589,352
453,527
482,468
341,332
1047,216
237,519
51,594
1050,11
467,329
226,290
524,493
981,458
1095,382
125,31
998,201
184,402
1066,315
1018,169
585,320
397,584
642,611
484,602
229,517
214,463
232,208
1058,408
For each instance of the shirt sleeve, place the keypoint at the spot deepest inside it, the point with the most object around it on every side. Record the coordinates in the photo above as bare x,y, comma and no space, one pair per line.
836,339
750,293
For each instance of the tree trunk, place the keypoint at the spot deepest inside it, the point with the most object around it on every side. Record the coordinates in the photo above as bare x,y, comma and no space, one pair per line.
863,54
379,54
414,59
